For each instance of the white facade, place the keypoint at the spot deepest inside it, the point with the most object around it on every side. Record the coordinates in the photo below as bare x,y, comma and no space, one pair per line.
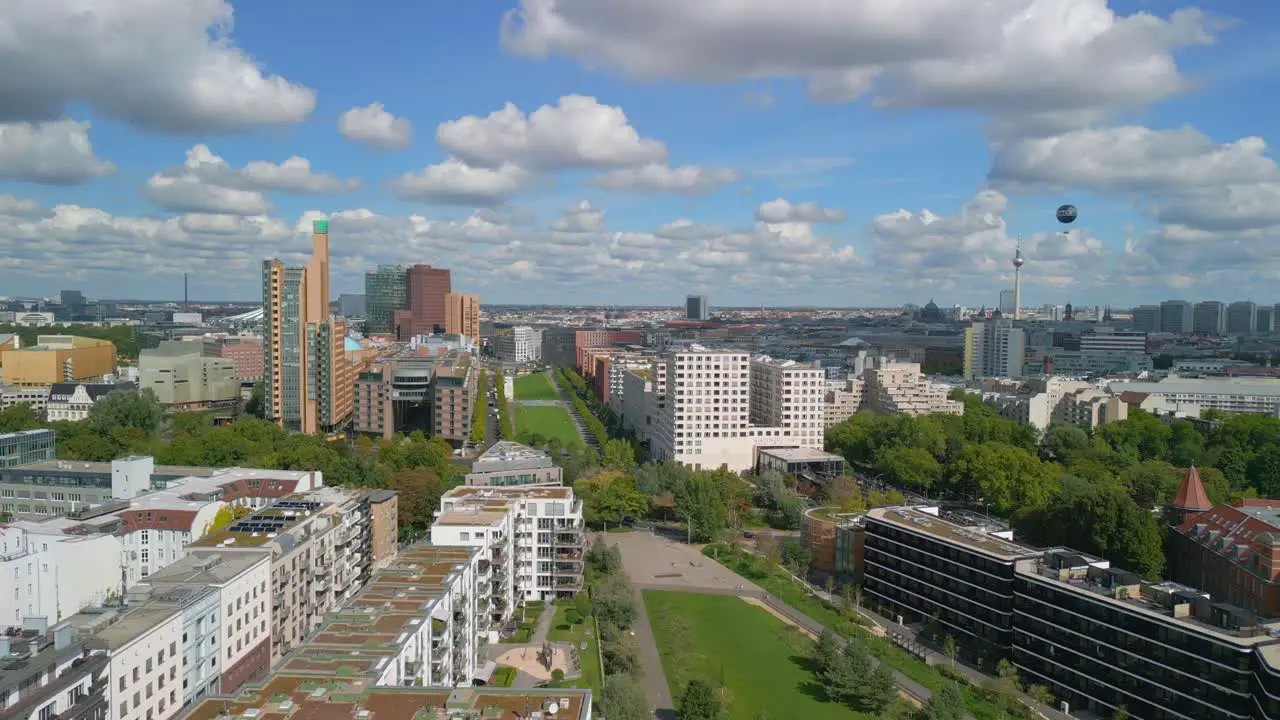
788,395
706,419
1237,396
533,534
149,549
245,604
493,533
74,407
145,669
843,401
522,345
54,576
994,349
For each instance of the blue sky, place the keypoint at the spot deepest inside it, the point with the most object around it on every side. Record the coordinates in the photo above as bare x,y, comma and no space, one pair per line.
1140,138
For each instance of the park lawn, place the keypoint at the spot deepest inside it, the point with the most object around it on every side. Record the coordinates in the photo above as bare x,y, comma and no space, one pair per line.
549,421
535,387
761,660
584,632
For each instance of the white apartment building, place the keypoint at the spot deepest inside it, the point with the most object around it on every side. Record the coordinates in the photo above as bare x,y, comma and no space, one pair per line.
1042,402
899,388
1090,407
1108,340
491,531
533,533
228,642
706,420
789,395
47,574
145,650
198,605
522,345
637,398
45,674
1237,396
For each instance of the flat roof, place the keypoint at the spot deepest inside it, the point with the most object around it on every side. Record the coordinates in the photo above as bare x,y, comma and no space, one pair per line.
921,521
261,527
1143,604
207,568
105,468
292,696
505,456
133,624
505,493
470,515
1206,386
801,455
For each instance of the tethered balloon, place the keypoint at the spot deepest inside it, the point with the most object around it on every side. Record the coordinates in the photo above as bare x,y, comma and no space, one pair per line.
1067,214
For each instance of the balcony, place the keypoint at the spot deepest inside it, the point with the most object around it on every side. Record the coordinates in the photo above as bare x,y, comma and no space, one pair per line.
568,582
438,627
439,653
570,567
568,539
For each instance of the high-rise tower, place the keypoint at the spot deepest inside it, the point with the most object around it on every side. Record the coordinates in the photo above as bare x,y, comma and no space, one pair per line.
1018,262
308,377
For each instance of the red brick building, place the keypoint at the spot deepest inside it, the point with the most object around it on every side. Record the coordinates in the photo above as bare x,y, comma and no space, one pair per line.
247,355
1231,552
426,290
593,339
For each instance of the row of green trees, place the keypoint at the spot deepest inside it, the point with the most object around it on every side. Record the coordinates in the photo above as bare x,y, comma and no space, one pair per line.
1094,490
614,605
478,414
580,394
133,423
506,431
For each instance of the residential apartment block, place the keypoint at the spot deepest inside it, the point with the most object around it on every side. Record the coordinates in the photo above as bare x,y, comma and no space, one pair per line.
507,464
994,349
48,673
901,389
843,401
321,544
405,644
707,417
144,651
1041,402
47,574
532,536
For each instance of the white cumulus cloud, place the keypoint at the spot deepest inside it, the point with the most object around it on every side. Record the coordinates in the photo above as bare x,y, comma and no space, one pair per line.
373,125
55,153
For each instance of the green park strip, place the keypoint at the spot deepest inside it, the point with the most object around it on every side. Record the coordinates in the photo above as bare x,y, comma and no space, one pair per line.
535,387
761,661
846,623
549,421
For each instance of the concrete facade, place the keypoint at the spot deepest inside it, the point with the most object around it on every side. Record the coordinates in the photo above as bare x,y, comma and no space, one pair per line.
186,375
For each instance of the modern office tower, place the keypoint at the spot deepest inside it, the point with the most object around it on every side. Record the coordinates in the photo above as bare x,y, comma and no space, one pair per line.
1209,317
426,288
1176,316
1108,340
787,394
384,292
462,315
522,345
696,308
1242,316
1146,318
994,349
1266,322
1006,303
308,377
352,305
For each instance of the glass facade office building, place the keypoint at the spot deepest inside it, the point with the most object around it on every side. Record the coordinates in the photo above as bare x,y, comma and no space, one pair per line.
385,291
26,447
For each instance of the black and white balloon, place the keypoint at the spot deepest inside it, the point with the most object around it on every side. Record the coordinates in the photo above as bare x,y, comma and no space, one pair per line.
1067,214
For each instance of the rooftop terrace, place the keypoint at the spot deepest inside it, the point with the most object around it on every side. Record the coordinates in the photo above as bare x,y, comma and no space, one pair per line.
263,526
507,455
520,492
1164,601
926,521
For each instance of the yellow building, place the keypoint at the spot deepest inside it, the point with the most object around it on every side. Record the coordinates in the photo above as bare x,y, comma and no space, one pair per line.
59,359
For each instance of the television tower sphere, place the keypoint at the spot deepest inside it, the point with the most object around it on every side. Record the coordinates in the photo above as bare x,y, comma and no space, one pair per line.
1018,260
1067,214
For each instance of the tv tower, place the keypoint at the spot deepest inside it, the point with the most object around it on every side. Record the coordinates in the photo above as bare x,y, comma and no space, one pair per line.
1018,262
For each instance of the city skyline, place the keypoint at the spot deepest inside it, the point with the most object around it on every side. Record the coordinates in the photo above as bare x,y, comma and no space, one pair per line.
558,161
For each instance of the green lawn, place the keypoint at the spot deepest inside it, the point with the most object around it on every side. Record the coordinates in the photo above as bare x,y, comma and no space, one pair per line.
546,420
535,387
589,659
761,660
